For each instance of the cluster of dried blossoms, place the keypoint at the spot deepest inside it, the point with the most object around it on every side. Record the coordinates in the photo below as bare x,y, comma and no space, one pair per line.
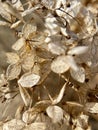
55,38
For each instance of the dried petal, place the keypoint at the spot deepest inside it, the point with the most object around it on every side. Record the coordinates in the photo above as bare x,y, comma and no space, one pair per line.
18,44
28,60
60,95
36,126
29,80
29,116
92,107
18,5
29,30
12,58
55,113
25,96
13,11
78,75
56,48
13,71
62,63
13,125
78,50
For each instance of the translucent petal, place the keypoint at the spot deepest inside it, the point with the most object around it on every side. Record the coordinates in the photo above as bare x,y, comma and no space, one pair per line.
78,75
18,44
29,80
56,48
28,60
14,124
78,50
55,113
13,71
60,64
12,58
25,96
29,29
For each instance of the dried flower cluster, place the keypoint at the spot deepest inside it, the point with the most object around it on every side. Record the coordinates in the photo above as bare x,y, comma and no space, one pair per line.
52,64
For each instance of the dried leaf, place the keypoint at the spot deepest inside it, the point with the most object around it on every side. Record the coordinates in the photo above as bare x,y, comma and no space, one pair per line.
78,50
18,44
78,75
55,113
29,80
13,71
25,96
12,58
14,125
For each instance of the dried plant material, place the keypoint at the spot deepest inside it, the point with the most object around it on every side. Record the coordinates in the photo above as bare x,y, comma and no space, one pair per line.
44,70
92,107
82,122
57,37
14,125
11,10
73,108
60,95
36,126
48,3
29,116
55,113
12,58
19,111
18,5
29,80
13,71
42,105
3,23
78,75
62,64
18,44
28,60
29,30
56,48
78,50
25,96
5,14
